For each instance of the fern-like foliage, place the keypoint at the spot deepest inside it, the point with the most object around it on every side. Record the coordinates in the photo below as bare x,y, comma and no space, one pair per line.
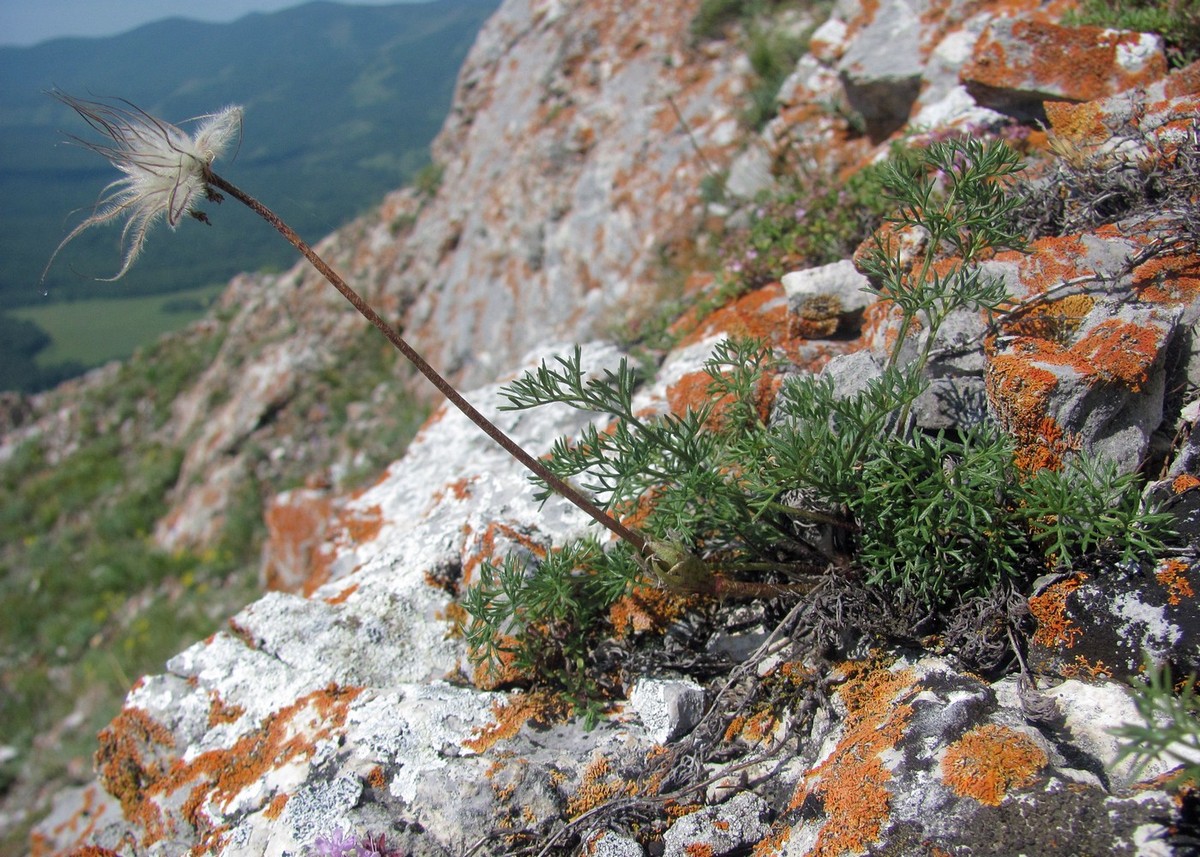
822,480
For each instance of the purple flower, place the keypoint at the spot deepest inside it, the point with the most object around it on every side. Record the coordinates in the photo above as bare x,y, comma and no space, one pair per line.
375,847
337,844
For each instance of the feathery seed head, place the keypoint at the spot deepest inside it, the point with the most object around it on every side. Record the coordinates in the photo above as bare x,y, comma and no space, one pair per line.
165,168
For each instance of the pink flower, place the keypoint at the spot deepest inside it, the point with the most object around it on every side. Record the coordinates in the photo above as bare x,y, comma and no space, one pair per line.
337,844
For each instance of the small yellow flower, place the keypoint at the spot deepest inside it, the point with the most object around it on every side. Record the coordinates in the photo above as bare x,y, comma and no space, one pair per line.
165,168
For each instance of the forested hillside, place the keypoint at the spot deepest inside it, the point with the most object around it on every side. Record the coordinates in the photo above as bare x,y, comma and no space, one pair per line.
341,104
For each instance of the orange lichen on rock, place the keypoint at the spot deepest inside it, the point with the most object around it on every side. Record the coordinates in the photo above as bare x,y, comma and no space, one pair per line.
219,711
795,673
694,392
1078,122
376,778
127,769
1172,574
1072,63
1119,352
459,489
342,596
292,733
754,728
763,314
362,525
1168,279
1049,608
80,826
1020,392
773,843
486,550
350,526
1184,482
514,712
216,776
989,761
275,807
499,670
647,609
852,782
1048,263
1055,321
1084,669
296,524
691,393
597,786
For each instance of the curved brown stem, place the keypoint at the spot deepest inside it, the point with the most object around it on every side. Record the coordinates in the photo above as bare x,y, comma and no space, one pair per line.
730,589
487,426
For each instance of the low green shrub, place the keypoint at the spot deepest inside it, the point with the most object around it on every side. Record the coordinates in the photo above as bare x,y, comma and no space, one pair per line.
827,483
714,16
428,179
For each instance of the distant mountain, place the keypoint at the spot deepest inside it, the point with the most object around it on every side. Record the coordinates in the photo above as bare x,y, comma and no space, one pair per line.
341,104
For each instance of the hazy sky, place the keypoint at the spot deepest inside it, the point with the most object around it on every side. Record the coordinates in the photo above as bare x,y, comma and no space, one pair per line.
26,22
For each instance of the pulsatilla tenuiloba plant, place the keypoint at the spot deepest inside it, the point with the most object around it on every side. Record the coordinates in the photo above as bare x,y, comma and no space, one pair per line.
740,502
168,174
730,500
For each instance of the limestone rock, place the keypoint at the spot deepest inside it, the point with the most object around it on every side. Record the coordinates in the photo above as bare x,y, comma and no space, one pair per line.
838,282
342,704
881,70
719,830
608,844
926,755
1107,626
667,708
1092,370
296,524
1019,63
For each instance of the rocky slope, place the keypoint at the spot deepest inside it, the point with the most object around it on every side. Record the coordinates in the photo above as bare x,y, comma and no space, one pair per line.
346,706
285,385
564,174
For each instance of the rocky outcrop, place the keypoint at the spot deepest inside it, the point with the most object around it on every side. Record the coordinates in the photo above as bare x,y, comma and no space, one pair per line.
565,171
344,706
350,709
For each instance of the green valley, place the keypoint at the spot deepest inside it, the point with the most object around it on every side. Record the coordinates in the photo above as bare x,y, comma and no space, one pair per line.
341,105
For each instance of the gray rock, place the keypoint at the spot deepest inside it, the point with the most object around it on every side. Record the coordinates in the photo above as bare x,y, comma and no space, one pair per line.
1115,412
959,767
668,708
719,830
881,70
1108,624
609,844
851,373
1020,63
750,173
1092,712
838,280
